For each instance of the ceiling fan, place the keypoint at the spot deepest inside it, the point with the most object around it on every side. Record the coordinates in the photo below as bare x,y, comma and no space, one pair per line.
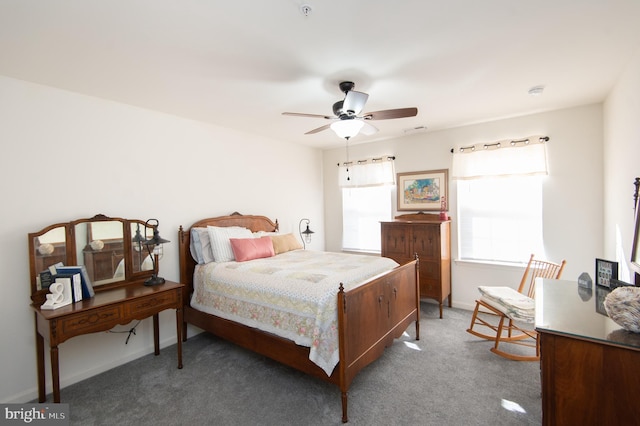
346,121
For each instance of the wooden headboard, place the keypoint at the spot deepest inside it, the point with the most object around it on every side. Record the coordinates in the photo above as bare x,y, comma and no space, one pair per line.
188,264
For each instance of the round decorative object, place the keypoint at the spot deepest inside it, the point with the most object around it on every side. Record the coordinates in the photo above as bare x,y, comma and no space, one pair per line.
46,249
97,245
623,307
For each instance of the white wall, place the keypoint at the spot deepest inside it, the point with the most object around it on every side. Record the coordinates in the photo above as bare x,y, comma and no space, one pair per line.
572,200
67,156
621,163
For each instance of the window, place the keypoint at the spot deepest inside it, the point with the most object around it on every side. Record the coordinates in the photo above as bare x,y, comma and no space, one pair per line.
500,218
362,211
366,201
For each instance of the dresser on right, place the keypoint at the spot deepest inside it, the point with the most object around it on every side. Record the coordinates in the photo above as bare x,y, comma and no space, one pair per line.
589,365
428,237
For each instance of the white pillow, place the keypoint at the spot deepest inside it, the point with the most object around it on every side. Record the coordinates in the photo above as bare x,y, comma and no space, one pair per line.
201,245
259,234
220,244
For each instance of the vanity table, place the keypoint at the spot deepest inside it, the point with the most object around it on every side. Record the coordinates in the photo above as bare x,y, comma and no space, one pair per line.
590,366
120,293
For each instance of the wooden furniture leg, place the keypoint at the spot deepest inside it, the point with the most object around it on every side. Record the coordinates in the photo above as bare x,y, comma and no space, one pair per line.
42,394
184,331
55,373
179,323
345,418
156,335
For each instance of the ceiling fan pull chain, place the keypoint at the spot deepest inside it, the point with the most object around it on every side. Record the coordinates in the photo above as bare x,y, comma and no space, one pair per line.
347,149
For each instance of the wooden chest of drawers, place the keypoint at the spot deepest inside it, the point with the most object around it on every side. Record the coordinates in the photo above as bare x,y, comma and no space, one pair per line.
402,240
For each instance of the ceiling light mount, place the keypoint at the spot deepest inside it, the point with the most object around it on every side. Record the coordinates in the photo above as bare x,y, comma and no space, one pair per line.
536,90
306,10
415,129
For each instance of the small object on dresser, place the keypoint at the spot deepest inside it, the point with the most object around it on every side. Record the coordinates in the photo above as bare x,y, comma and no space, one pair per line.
47,277
584,280
619,283
59,295
443,208
87,285
76,285
605,271
623,307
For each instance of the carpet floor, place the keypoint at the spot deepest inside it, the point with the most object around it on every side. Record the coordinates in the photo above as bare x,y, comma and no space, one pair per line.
448,377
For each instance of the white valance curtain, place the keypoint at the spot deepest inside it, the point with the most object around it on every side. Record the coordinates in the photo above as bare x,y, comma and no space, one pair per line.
504,158
370,172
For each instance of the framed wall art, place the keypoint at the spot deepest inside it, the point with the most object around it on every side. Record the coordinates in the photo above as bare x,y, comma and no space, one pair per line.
423,191
606,270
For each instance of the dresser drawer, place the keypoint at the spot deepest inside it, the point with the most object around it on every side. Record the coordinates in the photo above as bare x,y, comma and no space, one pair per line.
396,241
151,304
426,242
88,322
431,289
429,270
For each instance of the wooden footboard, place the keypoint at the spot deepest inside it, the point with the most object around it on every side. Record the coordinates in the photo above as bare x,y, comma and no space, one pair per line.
370,316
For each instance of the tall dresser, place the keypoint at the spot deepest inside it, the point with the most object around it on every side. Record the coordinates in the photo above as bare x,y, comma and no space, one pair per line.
428,237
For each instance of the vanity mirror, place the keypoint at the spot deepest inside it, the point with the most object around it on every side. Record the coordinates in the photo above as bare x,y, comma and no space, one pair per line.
111,249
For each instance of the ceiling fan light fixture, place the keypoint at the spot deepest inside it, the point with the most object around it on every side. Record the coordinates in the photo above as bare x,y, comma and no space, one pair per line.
347,128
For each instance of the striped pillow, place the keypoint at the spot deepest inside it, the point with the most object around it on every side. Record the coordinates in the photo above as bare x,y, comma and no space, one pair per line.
220,244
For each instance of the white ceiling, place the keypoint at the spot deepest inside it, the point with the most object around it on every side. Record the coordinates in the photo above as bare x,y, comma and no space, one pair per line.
241,64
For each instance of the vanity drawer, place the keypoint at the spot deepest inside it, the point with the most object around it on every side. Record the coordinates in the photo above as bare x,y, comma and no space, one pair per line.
152,304
89,321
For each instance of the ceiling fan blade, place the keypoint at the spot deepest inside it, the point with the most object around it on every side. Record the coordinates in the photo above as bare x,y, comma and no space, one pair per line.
354,102
388,114
319,129
300,114
368,129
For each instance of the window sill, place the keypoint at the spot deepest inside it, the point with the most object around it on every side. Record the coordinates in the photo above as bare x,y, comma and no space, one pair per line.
365,252
489,263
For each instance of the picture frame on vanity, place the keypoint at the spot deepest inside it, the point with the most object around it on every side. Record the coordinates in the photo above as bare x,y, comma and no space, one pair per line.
606,270
422,191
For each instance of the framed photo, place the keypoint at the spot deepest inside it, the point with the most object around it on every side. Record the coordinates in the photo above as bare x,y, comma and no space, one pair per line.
423,191
606,270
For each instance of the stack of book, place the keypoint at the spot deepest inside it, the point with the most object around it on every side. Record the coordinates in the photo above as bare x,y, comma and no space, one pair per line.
76,284
83,288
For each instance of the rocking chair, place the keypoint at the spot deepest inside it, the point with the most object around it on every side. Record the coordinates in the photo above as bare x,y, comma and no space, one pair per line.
512,310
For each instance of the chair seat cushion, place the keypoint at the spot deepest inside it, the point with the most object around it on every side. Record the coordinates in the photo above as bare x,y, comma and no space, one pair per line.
513,304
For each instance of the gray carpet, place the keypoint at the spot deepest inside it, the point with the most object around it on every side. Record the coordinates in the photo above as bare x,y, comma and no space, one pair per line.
448,378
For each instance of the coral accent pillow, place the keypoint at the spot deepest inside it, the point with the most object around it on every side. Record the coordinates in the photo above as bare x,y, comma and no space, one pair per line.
285,243
251,248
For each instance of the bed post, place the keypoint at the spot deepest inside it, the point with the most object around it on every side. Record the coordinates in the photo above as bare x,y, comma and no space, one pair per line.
342,363
418,297
187,266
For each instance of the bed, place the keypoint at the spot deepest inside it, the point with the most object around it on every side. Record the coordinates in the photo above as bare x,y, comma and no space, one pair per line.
370,313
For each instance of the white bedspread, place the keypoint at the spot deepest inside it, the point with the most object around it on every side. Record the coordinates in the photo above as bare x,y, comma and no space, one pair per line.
292,295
